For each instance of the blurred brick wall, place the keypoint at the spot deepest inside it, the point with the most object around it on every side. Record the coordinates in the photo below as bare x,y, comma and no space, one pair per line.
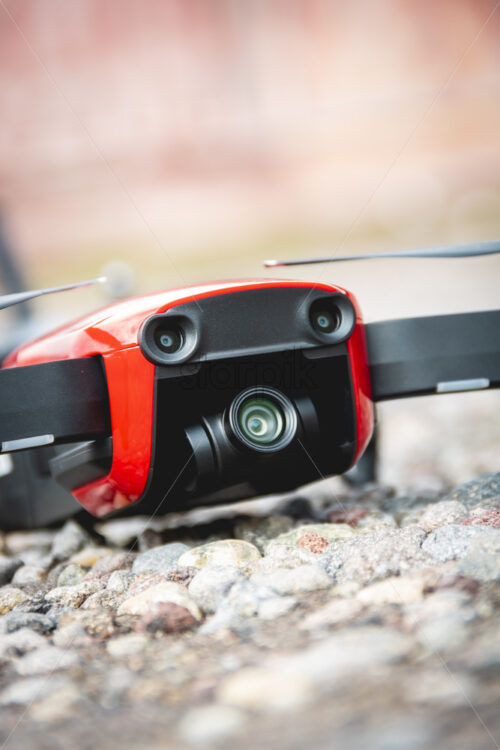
206,120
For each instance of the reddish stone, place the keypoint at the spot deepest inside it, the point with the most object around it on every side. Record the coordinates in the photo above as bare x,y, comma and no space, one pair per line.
166,617
350,515
489,517
313,541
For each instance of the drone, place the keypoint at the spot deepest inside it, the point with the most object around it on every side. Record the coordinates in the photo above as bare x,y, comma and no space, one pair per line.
219,391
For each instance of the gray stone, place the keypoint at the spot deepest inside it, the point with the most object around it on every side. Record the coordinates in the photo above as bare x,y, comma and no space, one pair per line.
211,584
452,542
70,539
73,596
285,556
485,487
119,581
15,620
8,566
370,557
441,513
482,558
71,575
159,558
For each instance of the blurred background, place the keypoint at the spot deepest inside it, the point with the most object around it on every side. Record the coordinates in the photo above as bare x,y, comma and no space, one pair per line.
181,140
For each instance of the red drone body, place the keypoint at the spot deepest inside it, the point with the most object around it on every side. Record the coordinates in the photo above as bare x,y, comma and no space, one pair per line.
113,334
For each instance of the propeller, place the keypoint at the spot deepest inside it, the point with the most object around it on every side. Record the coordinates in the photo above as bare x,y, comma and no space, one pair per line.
468,250
15,299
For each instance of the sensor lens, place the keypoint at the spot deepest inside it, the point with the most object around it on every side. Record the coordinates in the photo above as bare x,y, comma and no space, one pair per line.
169,341
263,418
325,321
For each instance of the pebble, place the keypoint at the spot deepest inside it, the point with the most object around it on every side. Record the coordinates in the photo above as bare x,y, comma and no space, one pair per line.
206,725
285,581
329,531
476,491
452,541
211,584
29,574
71,575
8,566
441,513
224,552
72,596
13,621
166,617
313,541
108,564
370,557
45,661
482,558
159,558
286,556
119,581
69,540
484,517
9,597
161,592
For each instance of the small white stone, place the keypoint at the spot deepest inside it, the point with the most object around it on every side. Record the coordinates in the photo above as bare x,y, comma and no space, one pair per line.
211,584
224,552
161,592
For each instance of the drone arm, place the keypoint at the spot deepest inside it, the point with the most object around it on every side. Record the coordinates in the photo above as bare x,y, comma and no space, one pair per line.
440,354
51,403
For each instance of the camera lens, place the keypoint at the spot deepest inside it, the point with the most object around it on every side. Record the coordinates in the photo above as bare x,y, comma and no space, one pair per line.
325,321
169,340
263,419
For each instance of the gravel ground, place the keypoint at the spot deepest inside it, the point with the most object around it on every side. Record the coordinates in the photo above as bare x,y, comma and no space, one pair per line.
332,617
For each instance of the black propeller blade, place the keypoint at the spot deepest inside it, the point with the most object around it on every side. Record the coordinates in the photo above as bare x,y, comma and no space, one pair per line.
14,299
467,250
